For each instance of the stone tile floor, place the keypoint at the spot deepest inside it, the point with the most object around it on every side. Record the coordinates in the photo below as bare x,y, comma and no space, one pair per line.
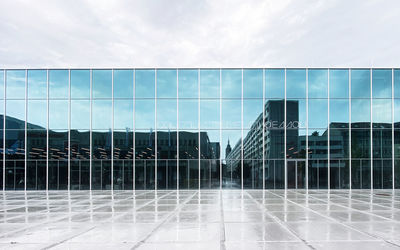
206,219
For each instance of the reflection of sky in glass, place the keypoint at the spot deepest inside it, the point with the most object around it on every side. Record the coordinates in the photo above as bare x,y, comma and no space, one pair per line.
252,83
123,114
80,84
166,114
209,83
381,111
37,84
396,83
37,112
339,110
318,83
144,83
15,85
58,84
188,83
295,83
252,108
274,83
231,114
360,83
123,83
58,114
16,109
381,83
166,83
209,114
318,113
360,110
1,84
339,83
144,114
188,114
396,110
231,83
101,114
80,114
102,83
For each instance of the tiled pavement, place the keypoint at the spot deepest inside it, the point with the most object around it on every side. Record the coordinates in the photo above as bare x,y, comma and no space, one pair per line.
206,219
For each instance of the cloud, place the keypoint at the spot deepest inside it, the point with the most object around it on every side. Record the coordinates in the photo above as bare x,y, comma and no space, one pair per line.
255,33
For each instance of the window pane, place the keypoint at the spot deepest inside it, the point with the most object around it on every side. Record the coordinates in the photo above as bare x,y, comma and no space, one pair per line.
360,113
338,83
15,110
58,84
123,114
274,83
123,83
101,114
318,83
80,84
188,83
37,84
360,83
253,83
188,114
144,114
166,83
15,85
295,83
382,112
102,83
318,113
1,84
209,114
80,114
58,114
252,113
144,83
396,83
231,83
381,83
37,114
166,114
339,112
209,83
231,114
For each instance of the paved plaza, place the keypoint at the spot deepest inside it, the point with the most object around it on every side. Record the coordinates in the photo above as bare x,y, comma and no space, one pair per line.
206,219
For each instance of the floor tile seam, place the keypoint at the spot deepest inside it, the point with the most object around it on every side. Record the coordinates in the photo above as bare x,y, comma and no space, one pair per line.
162,222
281,223
69,238
375,203
350,227
356,210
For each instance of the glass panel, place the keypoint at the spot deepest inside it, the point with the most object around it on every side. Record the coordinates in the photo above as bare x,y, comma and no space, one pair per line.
253,83
58,114
102,84
318,83
166,149
231,83
144,163
166,114
295,83
37,114
37,84
15,155
144,83
80,114
274,144
360,154
274,83
1,114
166,83
360,83
275,114
144,114
188,155
58,159
274,174
396,113
397,158
209,114
318,113
58,84
80,164
15,114
382,112
252,113
188,114
382,157
80,84
209,83
102,114
15,84
123,114
318,159
339,113
101,163
123,160
295,143
1,85
231,158
396,83
123,83
188,83
360,113
1,155
296,116
338,83
36,160
381,83
231,114
339,155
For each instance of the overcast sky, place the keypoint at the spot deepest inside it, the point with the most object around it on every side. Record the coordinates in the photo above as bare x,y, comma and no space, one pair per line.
181,33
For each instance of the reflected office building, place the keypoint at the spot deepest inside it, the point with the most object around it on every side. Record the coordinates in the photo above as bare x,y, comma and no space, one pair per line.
149,129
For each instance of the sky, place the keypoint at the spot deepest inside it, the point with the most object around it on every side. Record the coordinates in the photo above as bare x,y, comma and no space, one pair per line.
210,33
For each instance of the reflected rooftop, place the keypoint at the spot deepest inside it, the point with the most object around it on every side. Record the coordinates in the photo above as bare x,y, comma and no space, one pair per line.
206,219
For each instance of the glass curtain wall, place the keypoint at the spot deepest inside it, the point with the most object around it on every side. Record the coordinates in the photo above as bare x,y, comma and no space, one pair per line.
124,129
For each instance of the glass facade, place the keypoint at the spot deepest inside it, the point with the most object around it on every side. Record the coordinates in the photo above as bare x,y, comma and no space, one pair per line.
148,129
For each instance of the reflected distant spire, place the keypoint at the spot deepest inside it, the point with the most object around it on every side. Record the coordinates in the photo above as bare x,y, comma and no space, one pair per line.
228,149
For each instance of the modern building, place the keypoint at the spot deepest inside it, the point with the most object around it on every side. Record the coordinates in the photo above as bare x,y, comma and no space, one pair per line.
152,129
